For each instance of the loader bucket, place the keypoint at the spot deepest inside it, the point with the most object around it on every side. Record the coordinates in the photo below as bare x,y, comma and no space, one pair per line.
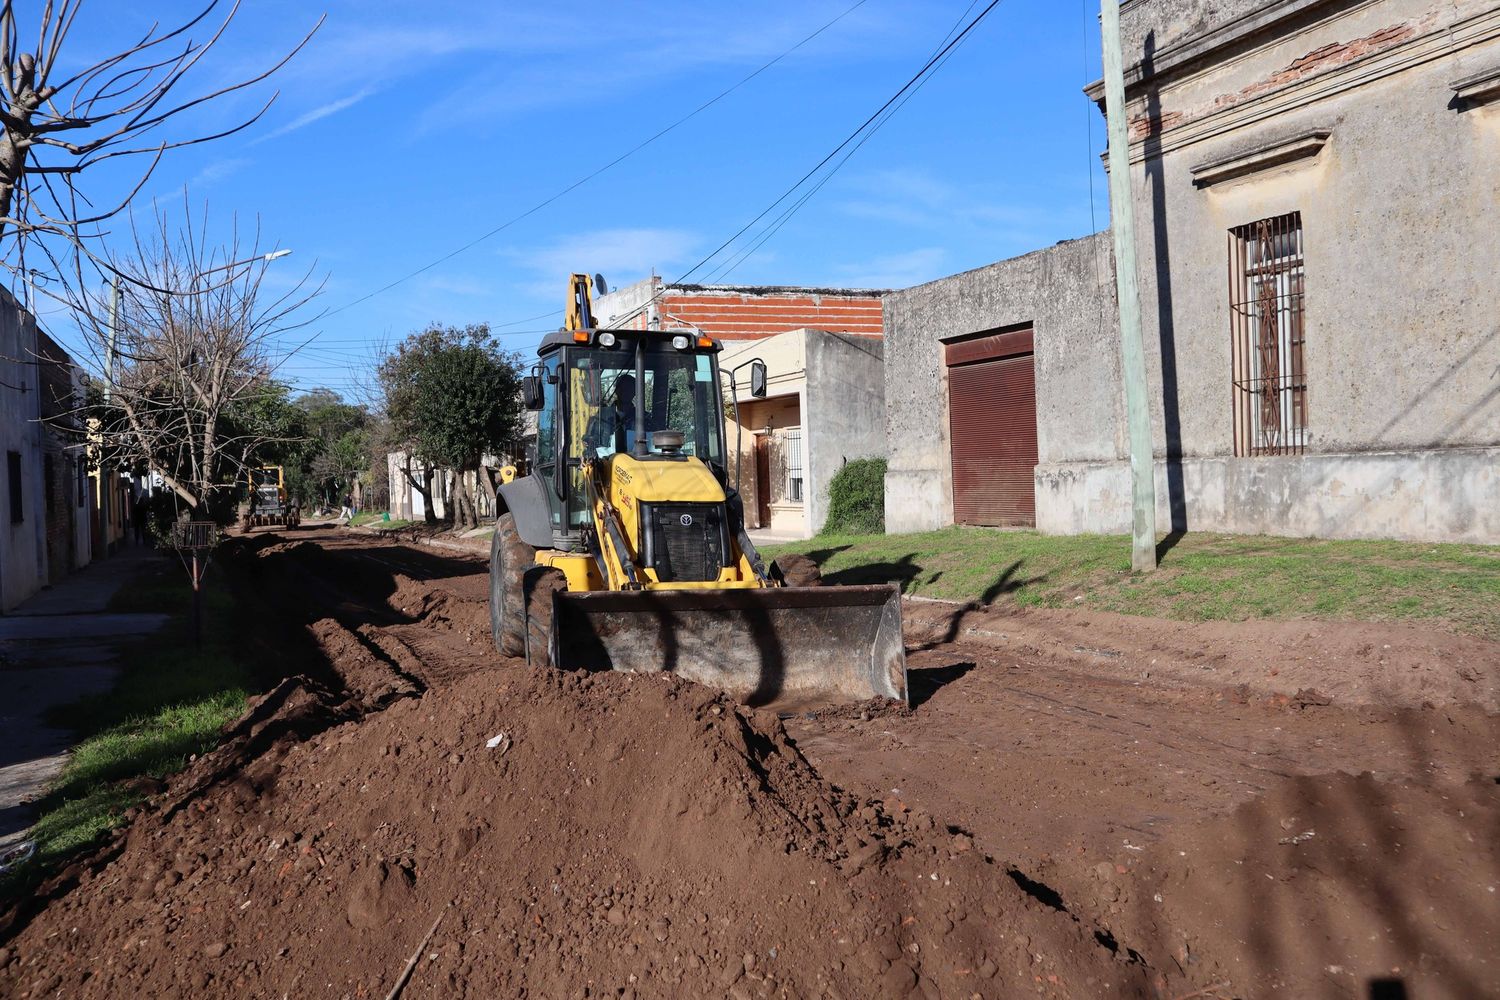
792,648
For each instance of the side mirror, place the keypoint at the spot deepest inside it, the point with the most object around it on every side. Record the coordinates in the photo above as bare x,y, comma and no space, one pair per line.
758,379
532,393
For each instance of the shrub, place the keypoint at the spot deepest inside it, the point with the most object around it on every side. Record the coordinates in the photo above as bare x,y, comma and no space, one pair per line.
856,499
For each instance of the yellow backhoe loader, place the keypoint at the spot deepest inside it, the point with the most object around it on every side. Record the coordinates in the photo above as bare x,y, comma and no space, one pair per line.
625,548
267,502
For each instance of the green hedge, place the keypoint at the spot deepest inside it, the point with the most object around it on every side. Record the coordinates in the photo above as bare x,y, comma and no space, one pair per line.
856,499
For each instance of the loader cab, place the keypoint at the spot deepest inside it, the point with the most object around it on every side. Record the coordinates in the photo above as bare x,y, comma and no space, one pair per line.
650,394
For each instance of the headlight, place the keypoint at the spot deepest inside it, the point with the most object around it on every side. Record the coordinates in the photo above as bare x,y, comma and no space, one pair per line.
606,340
680,342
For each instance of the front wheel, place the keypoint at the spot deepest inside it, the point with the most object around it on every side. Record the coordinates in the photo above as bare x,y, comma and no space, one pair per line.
540,583
509,559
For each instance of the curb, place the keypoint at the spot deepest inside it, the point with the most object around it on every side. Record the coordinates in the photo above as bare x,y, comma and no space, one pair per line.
436,543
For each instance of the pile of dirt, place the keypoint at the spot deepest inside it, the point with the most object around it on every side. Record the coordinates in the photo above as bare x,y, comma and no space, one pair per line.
569,835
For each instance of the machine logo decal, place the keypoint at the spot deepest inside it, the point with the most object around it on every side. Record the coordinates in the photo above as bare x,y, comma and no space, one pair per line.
687,520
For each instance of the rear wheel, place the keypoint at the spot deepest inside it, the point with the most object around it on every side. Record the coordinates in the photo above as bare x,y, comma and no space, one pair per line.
509,559
541,582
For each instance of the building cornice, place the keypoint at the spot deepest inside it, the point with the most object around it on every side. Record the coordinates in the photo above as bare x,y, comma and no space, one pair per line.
1181,56
1279,152
1477,88
1436,43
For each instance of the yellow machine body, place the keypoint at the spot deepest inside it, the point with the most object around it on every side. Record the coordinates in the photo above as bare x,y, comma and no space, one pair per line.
660,572
268,504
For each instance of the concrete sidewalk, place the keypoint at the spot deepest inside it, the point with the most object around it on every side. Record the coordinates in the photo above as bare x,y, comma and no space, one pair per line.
57,646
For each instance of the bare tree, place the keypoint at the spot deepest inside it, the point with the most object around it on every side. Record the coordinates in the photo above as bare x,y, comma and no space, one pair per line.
189,388
59,121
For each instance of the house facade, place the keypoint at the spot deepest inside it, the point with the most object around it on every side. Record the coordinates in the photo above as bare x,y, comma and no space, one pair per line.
65,472
824,406
23,523
46,507
1314,186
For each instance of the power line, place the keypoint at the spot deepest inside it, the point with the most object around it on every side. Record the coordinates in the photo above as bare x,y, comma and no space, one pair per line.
776,224
914,81
612,163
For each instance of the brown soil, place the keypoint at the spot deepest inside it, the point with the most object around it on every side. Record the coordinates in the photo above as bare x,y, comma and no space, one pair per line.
1034,825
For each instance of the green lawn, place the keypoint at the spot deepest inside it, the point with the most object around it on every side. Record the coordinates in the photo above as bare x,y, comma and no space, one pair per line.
1201,577
169,702
372,519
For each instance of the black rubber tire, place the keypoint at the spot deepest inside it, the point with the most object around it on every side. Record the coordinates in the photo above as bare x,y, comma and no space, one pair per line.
541,582
509,559
799,571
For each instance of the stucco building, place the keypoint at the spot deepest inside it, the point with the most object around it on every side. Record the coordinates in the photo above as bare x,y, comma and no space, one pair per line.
1315,186
824,406
46,507
23,531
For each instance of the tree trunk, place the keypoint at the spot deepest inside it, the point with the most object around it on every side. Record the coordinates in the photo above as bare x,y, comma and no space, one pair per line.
424,488
487,482
466,516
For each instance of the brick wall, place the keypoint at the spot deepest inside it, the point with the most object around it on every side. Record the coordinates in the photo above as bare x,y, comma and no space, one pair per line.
752,314
731,312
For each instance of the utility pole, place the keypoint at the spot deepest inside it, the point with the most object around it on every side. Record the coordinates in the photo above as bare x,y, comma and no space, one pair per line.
114,335
1132,351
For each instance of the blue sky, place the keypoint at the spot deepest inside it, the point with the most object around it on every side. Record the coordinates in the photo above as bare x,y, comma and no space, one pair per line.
404,131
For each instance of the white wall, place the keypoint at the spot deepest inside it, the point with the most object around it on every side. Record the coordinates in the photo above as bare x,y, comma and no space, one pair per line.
23,546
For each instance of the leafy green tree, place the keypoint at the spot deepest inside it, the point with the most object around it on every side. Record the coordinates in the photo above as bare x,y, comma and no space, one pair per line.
453,397
324,468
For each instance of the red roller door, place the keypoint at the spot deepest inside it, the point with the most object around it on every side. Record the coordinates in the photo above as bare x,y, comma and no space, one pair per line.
992,420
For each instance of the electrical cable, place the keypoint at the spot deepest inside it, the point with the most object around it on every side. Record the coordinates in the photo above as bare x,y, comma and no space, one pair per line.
914,81
612,163
775,226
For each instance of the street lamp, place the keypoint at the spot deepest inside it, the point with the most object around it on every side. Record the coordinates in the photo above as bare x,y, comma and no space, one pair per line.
114,306
267,257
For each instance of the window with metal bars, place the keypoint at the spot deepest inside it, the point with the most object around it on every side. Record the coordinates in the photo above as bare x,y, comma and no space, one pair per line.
1267,336
794,465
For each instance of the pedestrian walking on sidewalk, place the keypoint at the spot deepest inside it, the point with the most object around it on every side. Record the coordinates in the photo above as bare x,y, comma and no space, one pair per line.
140,513
346,512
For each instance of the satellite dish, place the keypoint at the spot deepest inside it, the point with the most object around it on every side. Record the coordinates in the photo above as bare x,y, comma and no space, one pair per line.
599,285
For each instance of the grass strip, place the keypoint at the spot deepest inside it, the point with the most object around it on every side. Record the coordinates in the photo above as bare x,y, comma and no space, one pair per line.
1202,576
169,702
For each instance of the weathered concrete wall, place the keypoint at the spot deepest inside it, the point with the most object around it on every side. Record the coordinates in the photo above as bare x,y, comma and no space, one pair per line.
1399,199
1065,293
1447,495
1399,211
845,415
23,547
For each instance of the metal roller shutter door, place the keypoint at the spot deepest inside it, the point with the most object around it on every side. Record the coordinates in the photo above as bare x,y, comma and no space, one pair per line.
992,419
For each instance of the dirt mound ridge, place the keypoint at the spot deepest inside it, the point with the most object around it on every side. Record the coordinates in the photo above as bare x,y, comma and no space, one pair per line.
572,835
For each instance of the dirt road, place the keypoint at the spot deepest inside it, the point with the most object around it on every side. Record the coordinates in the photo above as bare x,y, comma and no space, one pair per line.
1073,806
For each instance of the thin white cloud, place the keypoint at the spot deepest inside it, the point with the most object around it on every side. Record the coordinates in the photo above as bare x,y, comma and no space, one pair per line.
916,199
218,170
898,270
458,285
316,114
622,255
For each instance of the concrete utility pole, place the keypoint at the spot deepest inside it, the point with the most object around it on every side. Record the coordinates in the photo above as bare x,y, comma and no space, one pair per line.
114,335
1132,351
